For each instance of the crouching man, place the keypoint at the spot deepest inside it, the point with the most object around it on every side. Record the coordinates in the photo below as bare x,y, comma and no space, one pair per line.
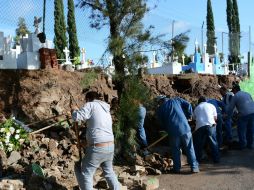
205,132
172,115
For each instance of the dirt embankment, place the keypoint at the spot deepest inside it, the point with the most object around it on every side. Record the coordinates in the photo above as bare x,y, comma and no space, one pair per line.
35,95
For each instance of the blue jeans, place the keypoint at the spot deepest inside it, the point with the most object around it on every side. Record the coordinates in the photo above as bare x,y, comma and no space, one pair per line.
228,129
95,157
141,131
200,138
245,131
219,129
186,142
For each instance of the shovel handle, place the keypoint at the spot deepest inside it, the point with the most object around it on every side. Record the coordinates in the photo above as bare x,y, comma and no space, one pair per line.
154,143
78,139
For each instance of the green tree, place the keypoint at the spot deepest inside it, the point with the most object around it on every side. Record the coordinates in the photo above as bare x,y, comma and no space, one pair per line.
229,14
72,31
211,40
126,33
21,31
126,38
60,40
234,30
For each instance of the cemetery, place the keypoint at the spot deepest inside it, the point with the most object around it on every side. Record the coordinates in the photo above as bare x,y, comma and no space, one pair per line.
46,75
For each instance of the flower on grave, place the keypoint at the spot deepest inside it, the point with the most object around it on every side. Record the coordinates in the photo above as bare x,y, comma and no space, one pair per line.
12,136
16,136
12,130
21,141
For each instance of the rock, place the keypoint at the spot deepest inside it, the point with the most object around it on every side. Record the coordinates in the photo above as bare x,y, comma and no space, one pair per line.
139,160
45,141
52,145
150,184
14,157
150,158
8,184
184,160
137,168
102,184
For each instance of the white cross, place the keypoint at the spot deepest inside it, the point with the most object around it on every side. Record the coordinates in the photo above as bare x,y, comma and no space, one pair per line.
83,52
66,51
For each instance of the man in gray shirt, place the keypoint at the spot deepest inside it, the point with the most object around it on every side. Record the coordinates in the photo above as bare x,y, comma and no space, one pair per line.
245,106
100,141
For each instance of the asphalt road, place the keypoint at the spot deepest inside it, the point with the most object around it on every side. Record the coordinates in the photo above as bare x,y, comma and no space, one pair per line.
234,172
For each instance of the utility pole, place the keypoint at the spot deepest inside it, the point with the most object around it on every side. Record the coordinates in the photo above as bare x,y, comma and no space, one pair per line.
202,37
249,54
44,13
173,28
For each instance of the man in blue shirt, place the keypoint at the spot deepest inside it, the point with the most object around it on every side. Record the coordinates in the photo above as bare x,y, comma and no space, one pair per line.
172,115
220,108
245,107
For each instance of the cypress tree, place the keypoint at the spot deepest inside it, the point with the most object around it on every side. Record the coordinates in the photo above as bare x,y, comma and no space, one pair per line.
211,40
236,31
60,40
72,31
229,15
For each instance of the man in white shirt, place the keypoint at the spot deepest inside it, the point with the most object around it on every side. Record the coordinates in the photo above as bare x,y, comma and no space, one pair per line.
205,115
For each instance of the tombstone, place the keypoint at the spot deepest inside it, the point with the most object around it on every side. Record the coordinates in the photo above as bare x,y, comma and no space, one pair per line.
34,43
29,57
7,55
208,66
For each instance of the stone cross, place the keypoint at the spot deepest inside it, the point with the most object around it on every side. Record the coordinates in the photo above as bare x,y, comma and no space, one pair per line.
83,52
205,48
66,51
183,57
196,45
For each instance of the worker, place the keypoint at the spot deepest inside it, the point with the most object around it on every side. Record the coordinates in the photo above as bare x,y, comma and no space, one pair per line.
173,114
100,141
141,133
205,115
226,99
245,107
220,109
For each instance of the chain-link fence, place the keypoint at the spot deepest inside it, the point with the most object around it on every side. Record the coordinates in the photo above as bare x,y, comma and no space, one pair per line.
95,42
